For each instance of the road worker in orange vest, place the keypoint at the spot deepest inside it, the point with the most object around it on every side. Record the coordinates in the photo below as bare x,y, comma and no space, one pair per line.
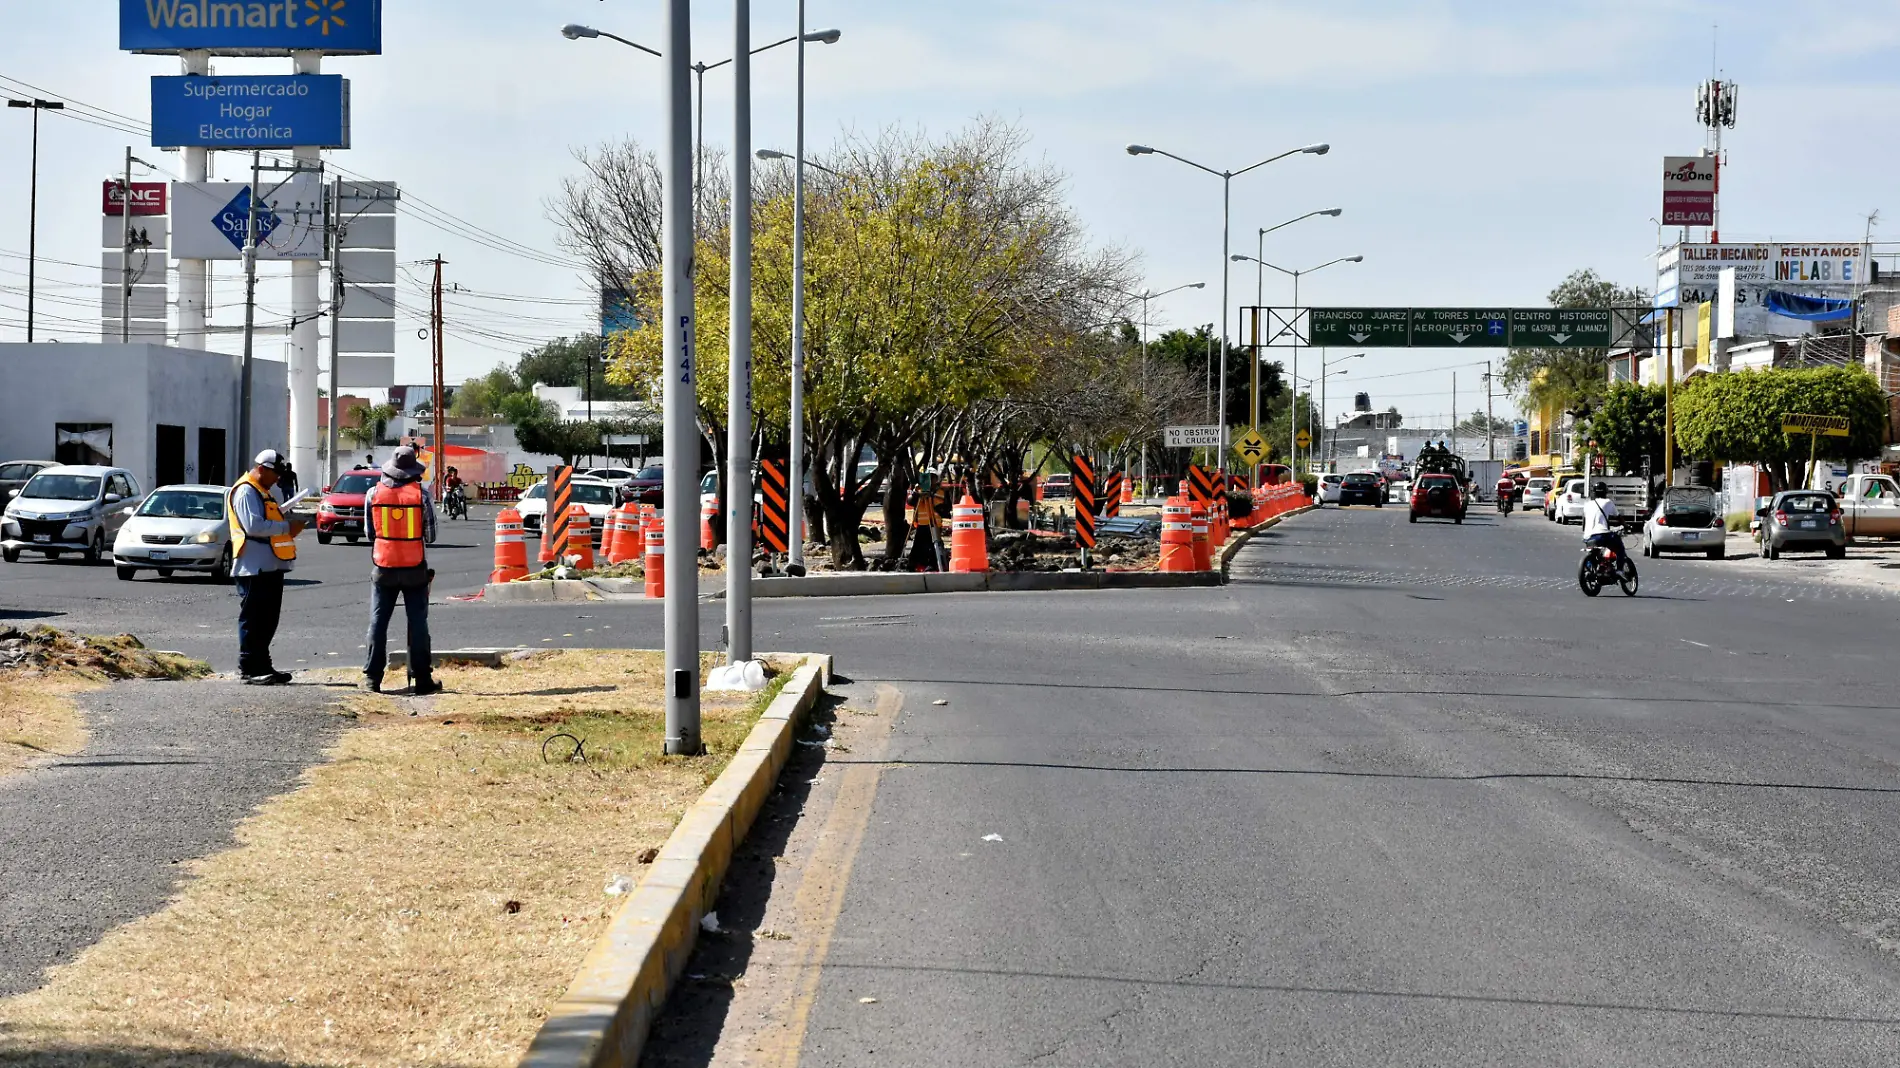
263,549
400,518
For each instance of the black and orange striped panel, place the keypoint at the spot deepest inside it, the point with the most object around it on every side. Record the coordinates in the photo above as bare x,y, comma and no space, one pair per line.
776,504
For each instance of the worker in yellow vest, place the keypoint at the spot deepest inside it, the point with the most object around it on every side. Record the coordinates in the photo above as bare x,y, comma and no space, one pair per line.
263,547
400,518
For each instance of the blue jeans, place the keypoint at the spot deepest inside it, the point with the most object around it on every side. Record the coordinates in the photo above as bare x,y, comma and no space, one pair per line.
1612,540
260,603
382,605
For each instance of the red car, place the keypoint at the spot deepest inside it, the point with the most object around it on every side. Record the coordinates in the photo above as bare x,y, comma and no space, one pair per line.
340,513
1438,497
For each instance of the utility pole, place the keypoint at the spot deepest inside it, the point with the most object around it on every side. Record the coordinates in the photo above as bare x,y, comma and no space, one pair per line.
33,204
1454,413
738,478
1669,402
441,458
680,418
336,330
1490,417
125,252
250,315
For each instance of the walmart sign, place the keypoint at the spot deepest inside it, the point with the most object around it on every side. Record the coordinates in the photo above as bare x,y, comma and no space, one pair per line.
254,27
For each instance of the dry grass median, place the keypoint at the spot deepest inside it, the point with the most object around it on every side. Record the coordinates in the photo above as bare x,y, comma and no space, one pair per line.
420,899
43,669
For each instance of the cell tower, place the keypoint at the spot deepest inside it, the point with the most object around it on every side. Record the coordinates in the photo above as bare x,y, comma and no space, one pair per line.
1715,110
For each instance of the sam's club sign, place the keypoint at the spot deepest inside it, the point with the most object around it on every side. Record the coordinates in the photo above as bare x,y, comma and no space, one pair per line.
255,27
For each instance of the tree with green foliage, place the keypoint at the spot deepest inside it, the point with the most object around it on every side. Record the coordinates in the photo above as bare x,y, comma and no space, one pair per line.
543,431
1478,425
366,426
1736,417
1628,425
1566,380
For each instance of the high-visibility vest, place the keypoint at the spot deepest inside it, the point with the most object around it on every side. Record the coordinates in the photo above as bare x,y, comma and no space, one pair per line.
283,546
396,523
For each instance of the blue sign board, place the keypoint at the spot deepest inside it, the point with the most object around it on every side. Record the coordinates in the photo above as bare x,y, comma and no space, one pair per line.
252,27
253,111
234,219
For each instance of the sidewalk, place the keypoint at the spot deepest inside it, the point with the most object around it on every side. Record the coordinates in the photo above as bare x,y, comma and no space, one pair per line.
1869,564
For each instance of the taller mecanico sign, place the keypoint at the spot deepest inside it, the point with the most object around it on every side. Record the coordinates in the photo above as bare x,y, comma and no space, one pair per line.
253,28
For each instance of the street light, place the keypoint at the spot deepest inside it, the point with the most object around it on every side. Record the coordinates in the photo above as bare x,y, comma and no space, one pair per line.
1259,295
1226,215
1145,296
1296,318
33,203
1324,363
773,153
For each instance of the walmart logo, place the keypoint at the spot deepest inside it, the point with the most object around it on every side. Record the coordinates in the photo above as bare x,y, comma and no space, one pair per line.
326,14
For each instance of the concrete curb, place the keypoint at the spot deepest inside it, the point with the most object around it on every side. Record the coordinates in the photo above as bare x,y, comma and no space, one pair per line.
865,584
603,1018
542,591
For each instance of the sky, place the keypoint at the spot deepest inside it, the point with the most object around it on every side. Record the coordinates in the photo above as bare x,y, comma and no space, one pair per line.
1481,151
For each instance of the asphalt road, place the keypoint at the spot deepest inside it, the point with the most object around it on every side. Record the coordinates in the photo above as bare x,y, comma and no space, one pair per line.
1398,795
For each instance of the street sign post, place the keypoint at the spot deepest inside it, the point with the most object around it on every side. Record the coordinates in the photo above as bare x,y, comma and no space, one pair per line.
1251,447
1192,437
1467,328
1365,327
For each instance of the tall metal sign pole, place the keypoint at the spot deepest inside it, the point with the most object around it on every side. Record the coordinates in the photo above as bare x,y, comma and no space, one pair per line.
739,372
305,300
194,276
681,430
33,204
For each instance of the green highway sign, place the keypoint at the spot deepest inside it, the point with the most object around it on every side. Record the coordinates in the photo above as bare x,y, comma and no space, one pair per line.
1461,328
1364,327
1590,328
1472,328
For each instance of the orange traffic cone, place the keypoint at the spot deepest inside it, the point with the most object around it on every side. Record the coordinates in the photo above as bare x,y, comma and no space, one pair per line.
580,537
655,559
1177,536
1203,554
511,552
969,548
1128,491
708,536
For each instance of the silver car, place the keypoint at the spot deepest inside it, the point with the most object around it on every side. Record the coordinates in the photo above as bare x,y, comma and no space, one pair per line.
1688,519
68,509
1796,520
178,528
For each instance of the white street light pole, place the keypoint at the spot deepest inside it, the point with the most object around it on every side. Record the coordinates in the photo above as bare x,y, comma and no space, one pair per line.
1293,414
1227,180
1325,417
1147,295
1260,290
739,369
681,446
795,473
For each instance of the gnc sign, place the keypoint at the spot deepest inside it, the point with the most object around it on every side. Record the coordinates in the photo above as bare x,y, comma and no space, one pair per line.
148,198
1688,191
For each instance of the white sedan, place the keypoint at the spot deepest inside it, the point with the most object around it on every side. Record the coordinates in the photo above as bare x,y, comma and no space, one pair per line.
177,528
1329,488
595,496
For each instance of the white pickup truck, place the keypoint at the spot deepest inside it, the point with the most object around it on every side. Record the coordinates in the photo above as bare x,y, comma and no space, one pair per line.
1870,506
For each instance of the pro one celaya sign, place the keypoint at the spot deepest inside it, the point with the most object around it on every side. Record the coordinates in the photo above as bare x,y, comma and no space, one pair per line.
252,27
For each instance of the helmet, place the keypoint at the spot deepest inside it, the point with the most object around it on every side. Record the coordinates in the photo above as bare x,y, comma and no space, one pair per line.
1600,489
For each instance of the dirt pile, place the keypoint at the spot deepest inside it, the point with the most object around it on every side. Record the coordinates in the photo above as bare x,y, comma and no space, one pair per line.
50,651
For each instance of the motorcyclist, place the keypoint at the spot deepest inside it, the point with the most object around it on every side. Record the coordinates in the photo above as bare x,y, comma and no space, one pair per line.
1599,520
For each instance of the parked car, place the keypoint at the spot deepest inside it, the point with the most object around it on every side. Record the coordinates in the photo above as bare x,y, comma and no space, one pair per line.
1362,487
1438,497
1399,490
1567,506
1057,486
593,495
178,528
1802,520
1870,506
614,475
340,511
1536,493
1688,519
15,473
69,509
1329,488
647,486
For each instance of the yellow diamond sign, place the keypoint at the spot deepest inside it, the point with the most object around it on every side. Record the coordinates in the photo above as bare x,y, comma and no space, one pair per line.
1251,447
1303,439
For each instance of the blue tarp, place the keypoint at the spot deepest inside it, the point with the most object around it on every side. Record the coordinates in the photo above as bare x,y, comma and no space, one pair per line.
1809,309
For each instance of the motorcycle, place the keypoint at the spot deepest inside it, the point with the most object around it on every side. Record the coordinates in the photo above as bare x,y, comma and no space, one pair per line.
1505,503
1603,566
455,503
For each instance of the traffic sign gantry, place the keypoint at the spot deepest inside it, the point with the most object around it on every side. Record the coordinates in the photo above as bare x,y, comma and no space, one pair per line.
1367,327
1562,327
1251,447
1467,328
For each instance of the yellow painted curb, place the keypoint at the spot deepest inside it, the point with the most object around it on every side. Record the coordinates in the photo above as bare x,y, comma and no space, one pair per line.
603,1019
